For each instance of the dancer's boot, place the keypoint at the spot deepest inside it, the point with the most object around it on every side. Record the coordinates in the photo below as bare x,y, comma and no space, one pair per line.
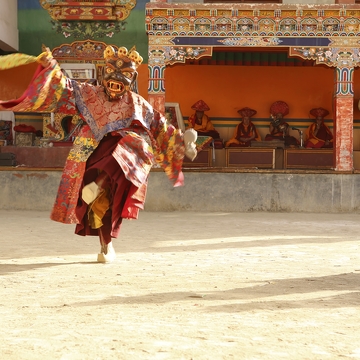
107,253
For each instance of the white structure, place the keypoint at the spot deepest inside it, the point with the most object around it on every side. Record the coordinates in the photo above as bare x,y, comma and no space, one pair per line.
9,35
80,71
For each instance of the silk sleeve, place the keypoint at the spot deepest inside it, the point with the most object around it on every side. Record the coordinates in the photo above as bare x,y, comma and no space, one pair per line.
48,91
169,149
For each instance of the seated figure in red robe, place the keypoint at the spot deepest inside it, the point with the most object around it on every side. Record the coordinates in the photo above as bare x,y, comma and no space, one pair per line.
200,122
318,135
245,132
279,128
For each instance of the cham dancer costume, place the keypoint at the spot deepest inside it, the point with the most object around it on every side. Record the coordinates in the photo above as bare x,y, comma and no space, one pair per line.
118,140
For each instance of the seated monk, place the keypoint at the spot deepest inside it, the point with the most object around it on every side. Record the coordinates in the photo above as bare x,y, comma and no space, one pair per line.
279,129
245,132
318,135
200,122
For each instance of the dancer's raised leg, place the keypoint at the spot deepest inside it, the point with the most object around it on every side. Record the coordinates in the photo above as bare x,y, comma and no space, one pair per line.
107,252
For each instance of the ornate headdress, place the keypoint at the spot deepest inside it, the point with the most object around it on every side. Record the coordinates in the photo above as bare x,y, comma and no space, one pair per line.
247,112
200,106
279,107
319,112
111,54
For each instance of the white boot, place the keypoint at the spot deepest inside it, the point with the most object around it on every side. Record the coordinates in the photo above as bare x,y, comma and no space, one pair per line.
107,253
190,137
90,192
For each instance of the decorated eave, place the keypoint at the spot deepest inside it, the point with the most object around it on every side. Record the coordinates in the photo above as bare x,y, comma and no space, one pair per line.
116,10
86,51
324,33
81,51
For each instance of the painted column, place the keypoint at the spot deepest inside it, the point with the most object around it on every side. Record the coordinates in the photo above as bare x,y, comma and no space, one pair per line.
156,88
343,119
344,60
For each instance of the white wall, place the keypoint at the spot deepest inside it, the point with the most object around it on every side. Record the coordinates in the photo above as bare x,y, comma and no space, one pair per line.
210,191
9,37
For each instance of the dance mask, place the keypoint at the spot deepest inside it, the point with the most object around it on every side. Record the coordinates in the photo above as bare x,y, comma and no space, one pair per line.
120,71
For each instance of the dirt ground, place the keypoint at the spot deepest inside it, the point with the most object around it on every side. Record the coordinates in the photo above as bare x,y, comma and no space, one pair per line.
184,286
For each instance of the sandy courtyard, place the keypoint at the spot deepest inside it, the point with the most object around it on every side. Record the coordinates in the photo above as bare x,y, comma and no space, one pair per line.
184,286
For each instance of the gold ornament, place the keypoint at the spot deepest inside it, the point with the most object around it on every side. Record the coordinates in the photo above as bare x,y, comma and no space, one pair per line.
123,53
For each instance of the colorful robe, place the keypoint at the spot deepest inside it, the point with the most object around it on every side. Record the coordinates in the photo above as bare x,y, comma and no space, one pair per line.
323,135
242,131
206,128
145,137
278,134
206,124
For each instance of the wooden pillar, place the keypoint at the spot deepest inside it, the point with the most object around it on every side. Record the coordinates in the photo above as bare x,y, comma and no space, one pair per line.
343,119
156,88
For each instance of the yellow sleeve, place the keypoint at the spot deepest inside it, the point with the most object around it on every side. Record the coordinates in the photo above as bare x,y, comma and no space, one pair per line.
209,125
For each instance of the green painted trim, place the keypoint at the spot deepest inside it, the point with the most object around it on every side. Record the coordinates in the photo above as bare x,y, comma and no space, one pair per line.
264,122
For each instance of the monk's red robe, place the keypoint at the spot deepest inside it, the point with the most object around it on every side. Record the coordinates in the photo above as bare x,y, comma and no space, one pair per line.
323,135
206,128
243,131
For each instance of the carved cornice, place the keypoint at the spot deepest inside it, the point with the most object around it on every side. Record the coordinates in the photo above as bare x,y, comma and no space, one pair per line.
168,55
252,20
81,51
87,51
116,10
297,27
334,57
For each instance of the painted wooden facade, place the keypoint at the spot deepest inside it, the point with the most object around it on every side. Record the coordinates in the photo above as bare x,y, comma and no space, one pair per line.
326,34
177,37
